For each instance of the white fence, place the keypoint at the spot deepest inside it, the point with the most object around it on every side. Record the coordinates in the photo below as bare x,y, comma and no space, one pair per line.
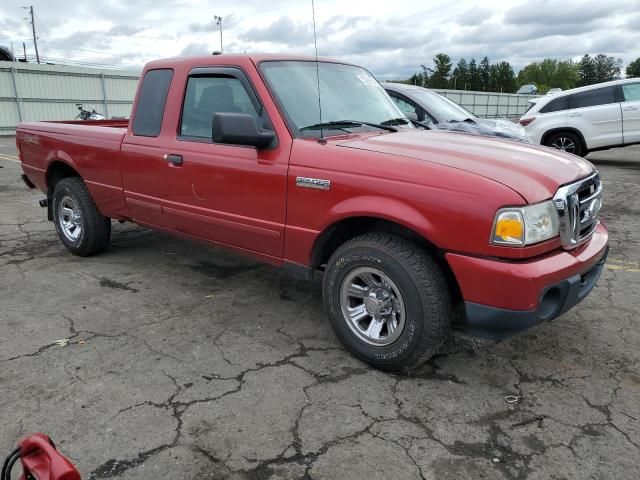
49,92
489,104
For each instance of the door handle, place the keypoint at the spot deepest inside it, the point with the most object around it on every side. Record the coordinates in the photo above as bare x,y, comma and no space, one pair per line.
628,109
575,115
173,159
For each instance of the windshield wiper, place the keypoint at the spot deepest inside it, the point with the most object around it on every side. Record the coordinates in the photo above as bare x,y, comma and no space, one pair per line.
396,121
466,120
337,125
342,124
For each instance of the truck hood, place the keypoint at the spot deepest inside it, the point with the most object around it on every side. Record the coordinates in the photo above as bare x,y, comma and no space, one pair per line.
532,171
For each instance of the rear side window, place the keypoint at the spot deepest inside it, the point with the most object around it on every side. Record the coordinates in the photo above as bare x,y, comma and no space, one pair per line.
556,105
591,98
631,92
147,119
207,95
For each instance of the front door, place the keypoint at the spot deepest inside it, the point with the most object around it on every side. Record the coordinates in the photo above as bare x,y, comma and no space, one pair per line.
229,194
141,157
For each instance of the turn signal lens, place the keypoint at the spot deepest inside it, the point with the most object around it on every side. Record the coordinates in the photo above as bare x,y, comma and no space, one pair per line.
509,229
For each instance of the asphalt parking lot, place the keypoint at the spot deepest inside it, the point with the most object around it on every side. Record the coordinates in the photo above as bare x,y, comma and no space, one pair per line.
166,359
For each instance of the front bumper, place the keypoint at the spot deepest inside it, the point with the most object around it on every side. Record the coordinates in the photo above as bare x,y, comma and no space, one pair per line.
502,298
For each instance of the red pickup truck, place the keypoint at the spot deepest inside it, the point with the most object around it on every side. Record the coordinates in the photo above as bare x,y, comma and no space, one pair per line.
408,226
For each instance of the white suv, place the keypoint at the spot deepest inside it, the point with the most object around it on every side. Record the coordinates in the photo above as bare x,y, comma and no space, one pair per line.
590,118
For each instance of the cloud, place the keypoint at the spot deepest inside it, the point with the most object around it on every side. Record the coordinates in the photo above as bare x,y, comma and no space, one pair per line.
391,41
283,31
474,16
548,12
124,30
339,23
82,38
633,22
194,49
382,38
511,34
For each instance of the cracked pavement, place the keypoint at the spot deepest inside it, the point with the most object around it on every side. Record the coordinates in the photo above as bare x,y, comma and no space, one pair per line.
185,361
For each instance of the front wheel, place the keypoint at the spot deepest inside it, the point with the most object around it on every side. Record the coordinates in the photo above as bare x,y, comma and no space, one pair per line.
387,301
80,226
567,142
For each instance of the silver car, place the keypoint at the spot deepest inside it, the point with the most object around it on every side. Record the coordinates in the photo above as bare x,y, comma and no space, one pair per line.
431,110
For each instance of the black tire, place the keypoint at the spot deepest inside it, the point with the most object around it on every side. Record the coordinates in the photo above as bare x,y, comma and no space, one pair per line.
95,230
427,303
571,141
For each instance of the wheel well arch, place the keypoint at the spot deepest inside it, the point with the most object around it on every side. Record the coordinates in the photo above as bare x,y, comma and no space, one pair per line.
346,229
56,171
548,133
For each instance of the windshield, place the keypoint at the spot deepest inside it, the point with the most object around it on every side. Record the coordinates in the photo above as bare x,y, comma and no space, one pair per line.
347,93
443,109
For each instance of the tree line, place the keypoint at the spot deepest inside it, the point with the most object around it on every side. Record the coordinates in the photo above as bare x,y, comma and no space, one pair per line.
500,77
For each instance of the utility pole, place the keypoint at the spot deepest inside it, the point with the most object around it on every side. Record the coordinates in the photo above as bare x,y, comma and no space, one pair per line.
219,23
33,30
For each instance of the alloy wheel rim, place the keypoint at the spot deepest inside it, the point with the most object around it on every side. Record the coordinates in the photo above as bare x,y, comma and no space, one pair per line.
372,306
70,218
565,144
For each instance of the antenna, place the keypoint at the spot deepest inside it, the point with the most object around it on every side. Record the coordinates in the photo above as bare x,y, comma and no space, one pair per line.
315,43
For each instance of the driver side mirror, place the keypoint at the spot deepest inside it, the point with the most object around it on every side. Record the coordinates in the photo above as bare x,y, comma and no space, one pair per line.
239,129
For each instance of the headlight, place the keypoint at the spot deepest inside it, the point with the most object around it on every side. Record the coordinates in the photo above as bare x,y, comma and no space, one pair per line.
519,226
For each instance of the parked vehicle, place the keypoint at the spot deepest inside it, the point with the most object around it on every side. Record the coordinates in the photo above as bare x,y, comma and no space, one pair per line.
528,90
581,120
88,114
405,225
6,55
434,111
553,91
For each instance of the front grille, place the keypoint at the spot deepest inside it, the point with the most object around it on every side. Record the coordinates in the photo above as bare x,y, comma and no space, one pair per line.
578,207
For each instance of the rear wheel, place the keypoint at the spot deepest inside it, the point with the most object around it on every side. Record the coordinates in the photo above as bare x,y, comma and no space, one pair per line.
387,301
80,226
567,142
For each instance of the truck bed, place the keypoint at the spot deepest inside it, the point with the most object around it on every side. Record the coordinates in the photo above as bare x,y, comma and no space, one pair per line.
91,146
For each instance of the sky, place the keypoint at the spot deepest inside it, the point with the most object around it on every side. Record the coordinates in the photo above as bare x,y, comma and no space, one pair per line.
391,39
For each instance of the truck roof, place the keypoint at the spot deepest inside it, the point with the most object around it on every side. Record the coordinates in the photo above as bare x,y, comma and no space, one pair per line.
234,59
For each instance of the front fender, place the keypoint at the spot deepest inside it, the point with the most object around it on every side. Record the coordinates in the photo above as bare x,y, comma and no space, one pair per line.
384,208
301,241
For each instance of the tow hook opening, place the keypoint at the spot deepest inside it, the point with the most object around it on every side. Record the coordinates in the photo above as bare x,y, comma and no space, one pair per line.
43,203
551,303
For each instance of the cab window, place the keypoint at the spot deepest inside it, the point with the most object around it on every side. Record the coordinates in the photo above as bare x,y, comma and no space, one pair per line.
206,95
147,119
